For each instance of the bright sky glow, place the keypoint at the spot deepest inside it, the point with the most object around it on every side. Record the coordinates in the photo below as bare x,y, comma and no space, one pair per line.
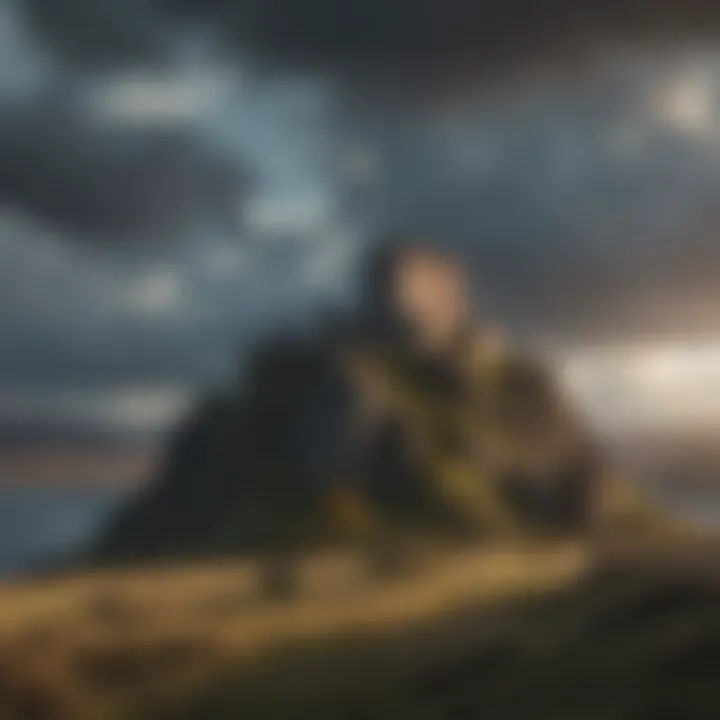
687,103
662,386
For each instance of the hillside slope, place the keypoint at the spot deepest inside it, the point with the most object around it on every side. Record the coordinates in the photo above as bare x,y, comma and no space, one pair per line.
496,632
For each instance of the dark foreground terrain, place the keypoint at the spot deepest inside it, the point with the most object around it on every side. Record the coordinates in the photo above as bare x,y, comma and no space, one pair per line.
491,633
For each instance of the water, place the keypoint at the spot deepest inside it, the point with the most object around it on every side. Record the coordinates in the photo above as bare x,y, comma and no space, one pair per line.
41,523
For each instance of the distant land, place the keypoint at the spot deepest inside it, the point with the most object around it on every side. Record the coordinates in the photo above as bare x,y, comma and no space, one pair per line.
24,434
74,465
677,463
67,454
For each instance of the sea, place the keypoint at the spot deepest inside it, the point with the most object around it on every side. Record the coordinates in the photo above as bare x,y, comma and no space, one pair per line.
44,525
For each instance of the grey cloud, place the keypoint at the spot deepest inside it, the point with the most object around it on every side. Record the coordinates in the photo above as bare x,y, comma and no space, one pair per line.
563,229
98,181
431,43
70,318
567,238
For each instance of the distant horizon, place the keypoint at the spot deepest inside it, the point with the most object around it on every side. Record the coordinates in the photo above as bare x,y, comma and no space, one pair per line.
126,465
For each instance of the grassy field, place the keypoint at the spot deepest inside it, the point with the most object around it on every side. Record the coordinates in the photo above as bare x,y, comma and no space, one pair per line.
503,632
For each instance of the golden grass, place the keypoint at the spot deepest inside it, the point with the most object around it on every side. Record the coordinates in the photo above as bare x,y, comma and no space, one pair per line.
100,645
197,641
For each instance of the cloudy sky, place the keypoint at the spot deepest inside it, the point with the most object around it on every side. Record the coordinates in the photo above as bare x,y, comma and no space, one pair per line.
177,176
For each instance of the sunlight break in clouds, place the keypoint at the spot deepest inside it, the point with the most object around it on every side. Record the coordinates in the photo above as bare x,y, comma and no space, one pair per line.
687,102
625,389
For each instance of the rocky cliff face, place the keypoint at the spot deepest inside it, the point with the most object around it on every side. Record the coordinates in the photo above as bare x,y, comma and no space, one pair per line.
253,466
406,407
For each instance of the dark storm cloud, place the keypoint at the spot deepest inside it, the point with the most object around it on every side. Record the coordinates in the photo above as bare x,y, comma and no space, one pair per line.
94,180
433,41
432,38
426,41
100,33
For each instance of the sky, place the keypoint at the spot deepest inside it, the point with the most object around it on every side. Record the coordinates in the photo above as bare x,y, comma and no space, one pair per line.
177,177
